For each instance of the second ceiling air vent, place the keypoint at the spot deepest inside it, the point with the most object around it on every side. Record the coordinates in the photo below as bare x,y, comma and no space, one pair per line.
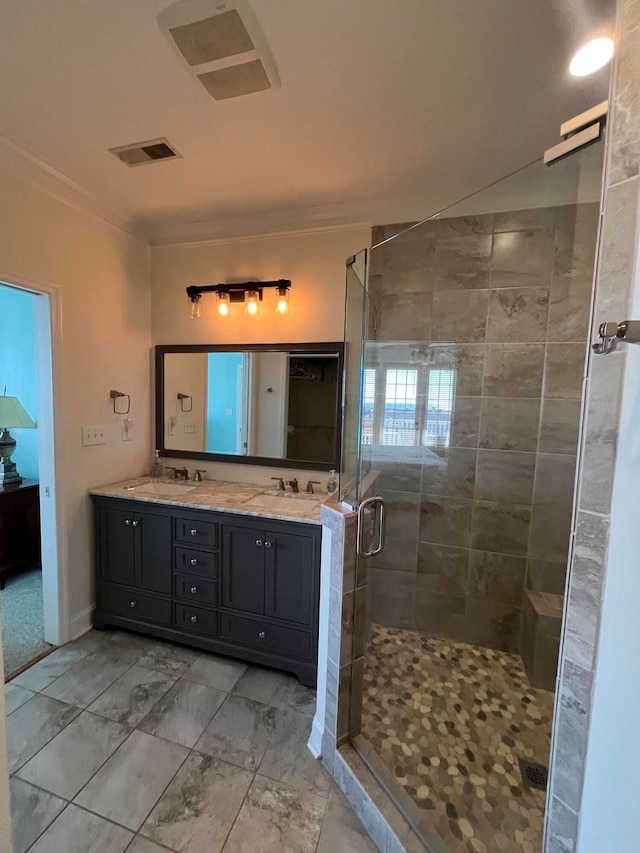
222,46
140,153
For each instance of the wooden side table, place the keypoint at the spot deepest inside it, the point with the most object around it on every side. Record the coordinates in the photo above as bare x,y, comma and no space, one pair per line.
19,528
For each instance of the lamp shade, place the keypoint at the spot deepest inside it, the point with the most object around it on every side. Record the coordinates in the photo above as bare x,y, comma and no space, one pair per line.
13,414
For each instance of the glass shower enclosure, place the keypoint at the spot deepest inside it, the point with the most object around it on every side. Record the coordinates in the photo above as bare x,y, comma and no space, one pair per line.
466,336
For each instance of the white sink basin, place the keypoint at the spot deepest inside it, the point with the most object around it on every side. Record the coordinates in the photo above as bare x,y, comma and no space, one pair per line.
282,503
165,490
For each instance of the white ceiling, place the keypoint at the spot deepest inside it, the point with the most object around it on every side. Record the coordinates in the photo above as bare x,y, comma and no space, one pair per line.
387,111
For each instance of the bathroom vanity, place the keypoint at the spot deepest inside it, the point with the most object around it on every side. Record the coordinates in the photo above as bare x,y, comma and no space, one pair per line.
227,567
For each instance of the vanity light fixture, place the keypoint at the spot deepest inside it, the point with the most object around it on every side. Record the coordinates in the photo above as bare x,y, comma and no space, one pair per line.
249,292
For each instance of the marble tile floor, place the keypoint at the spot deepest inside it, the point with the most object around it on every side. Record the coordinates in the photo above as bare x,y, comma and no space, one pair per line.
444,725
119,742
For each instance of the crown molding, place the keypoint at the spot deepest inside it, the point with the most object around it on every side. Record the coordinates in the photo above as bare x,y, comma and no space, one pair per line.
48,180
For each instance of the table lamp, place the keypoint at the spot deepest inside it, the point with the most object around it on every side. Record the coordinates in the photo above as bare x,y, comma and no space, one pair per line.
12,416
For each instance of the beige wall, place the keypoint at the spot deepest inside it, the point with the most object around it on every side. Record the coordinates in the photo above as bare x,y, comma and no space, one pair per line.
103,278
315,263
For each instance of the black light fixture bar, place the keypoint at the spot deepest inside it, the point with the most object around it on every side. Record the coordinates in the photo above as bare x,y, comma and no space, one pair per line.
236,291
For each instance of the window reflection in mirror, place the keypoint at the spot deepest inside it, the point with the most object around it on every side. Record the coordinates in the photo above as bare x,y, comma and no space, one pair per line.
258,403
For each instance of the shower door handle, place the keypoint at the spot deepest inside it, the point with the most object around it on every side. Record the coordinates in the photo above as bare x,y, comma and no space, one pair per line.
367,504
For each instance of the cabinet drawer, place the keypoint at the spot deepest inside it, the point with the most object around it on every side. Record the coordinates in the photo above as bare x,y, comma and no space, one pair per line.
198,562
196,590
202,534
196,619
264,635
134,605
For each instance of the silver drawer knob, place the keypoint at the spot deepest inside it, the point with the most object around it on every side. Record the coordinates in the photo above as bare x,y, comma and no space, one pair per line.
193,561
194,619
193,590
127,521
259,543
267,544
135,523
133,604
193,531
262,635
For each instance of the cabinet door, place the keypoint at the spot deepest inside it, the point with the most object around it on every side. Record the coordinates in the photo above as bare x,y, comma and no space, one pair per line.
243,569
153,552
116,546
289,574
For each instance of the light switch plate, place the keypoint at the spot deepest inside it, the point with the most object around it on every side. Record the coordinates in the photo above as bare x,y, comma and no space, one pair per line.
189,427
93,435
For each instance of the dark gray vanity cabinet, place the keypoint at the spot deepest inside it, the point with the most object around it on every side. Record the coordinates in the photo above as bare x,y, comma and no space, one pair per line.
240,586
135,547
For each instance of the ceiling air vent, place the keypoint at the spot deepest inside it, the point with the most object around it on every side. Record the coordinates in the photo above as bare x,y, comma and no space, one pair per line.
222,46
145,152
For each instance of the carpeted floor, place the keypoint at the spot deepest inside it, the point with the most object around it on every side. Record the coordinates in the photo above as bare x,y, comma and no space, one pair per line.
22,620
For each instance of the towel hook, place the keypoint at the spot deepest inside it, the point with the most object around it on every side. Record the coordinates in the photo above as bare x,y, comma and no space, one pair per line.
114,396
182,398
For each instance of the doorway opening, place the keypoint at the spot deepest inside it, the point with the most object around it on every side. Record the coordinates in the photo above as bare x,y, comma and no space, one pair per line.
28,539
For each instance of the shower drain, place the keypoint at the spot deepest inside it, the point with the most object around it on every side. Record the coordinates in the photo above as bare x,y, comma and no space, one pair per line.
534,775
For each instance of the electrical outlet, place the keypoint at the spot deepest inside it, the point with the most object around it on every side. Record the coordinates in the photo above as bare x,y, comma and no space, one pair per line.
93,435
189,427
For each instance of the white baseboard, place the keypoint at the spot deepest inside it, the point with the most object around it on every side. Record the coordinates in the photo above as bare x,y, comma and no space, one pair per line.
314,744
82,622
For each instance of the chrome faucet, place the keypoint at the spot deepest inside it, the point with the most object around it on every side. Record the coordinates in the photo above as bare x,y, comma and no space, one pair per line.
280,483
311,484
181,474
292,484
197,476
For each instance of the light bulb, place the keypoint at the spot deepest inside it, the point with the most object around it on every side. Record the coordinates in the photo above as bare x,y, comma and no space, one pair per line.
223,304
282,300
252,302
195,309
591,57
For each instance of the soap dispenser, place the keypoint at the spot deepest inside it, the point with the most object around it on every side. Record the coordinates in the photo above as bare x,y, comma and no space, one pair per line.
332,483
156,464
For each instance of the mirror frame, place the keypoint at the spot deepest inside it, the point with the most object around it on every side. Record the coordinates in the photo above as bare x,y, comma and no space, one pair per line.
336,348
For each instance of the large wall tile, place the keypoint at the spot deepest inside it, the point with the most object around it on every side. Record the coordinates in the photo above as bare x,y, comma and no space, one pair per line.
493,625
555,480
513,370
497,577
505,476
571,732
391,598
404,316
625,131
559,426
564,371
405,264
462,261
503,528
402,511
509,423
469,366
438,614
518,314
530,219
459,317
466,422
453,475
445,521
523,258
550,531
569,309
442,568
547,575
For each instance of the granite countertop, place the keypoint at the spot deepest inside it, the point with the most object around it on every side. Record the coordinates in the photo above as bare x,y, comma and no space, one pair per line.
242,498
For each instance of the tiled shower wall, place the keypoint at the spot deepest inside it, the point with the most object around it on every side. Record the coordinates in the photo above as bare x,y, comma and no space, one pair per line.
504,300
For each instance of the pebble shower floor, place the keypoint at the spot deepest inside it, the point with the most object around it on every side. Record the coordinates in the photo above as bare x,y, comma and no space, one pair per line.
449,723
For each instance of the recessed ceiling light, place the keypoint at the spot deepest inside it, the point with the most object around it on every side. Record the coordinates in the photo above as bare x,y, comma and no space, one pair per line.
591,57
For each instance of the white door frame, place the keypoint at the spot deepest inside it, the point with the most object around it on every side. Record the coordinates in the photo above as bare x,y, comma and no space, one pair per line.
48,336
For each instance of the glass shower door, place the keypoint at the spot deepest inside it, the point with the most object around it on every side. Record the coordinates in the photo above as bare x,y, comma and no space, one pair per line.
473,336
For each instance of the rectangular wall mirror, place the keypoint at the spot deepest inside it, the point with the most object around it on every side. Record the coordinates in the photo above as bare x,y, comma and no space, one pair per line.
263,404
